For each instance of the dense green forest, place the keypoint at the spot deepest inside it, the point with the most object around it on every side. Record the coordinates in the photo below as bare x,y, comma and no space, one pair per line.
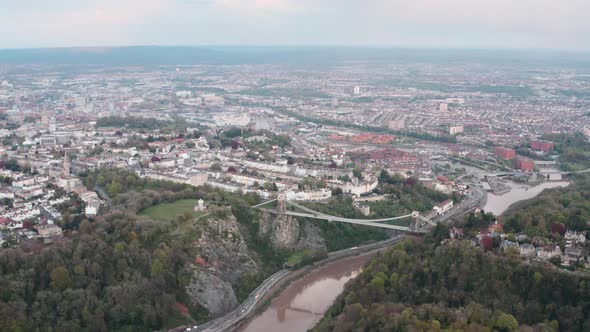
112,273
126,272
569,206
424,286
573,150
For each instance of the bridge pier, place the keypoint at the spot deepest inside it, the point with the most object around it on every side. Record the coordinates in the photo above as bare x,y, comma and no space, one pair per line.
281,203
416,221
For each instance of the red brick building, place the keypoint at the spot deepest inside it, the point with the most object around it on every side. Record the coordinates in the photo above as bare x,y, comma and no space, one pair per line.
542,146
505,153
526,165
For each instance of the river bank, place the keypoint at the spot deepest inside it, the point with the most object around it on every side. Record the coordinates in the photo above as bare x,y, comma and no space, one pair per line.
498,204
299,301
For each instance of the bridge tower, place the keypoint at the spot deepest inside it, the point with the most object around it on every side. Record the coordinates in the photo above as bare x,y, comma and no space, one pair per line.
281,207
415,221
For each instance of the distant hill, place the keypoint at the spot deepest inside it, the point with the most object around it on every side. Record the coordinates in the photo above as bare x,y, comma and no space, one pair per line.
190,55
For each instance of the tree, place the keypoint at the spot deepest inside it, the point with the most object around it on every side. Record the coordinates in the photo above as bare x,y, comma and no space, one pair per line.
114,189
357,173
60,278
274,187
337,191
506,322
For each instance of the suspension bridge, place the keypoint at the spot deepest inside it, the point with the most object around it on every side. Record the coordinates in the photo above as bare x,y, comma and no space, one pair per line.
282,203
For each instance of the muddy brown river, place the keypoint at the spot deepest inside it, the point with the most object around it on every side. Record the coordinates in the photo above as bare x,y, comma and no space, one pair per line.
303,303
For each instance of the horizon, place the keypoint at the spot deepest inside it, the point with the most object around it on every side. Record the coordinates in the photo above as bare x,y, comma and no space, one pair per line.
300,46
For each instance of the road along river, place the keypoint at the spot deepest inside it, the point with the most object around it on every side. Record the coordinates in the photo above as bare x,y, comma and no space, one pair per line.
303,303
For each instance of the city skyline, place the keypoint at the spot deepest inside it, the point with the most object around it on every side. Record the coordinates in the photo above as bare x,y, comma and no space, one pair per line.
376,23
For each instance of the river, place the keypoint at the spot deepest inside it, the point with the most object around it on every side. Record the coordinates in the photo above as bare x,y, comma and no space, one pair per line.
498,204
303,303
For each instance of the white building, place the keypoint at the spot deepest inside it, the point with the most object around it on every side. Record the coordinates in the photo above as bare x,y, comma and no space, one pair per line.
358,188
313,195
454,130
443,207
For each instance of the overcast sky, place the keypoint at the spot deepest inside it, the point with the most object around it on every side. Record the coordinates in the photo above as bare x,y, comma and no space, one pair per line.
552,24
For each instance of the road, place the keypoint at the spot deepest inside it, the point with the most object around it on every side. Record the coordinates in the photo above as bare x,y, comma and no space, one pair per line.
230,320
475,199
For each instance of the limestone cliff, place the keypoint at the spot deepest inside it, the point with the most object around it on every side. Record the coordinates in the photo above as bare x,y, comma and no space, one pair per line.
212,292
285,232
222,259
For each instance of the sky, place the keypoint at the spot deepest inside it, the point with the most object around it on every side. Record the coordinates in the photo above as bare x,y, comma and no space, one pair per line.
544,24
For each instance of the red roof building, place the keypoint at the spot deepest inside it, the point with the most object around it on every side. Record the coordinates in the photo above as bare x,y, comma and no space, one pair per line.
526,165
505,153
542,146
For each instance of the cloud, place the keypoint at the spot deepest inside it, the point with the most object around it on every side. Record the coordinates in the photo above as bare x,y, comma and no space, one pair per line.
478,23
91,22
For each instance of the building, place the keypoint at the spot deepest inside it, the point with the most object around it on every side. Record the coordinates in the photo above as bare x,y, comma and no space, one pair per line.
48,140
357,90
575,237
399,124
443,207
70,184
454,130
542,146
50,212
92,201
7,223
527,250
505,153
358,188
46,231
548,252
312,195
572,255
443,107
363,208
586,132
198,179
455,101
526,165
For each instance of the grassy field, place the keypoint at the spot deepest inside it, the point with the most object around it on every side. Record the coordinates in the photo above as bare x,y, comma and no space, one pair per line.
169,211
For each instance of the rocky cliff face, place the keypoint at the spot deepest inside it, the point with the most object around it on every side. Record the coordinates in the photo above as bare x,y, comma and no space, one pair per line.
223,259
282,231
285,232
222,256
212,292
